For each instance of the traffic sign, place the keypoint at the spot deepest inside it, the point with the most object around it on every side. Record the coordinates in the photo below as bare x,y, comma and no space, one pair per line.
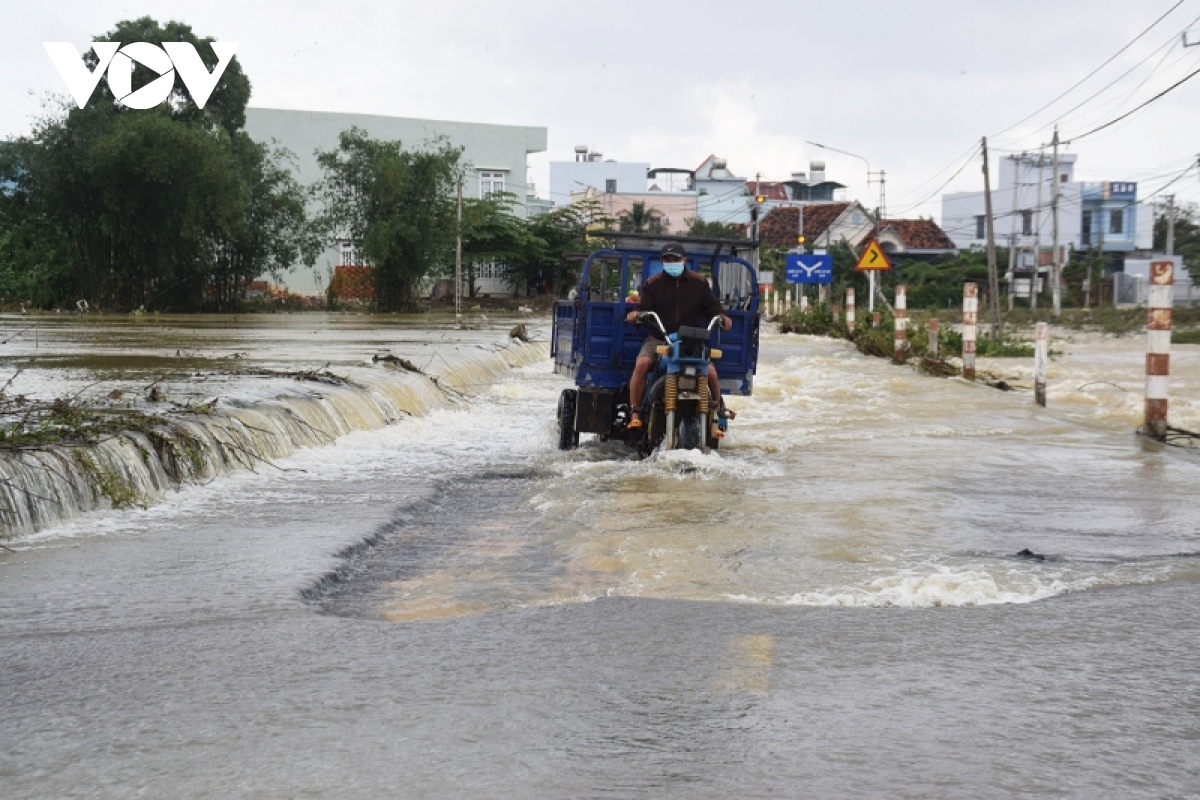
806,268
873,258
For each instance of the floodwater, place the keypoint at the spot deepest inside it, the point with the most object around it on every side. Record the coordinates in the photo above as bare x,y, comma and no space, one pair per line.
831,606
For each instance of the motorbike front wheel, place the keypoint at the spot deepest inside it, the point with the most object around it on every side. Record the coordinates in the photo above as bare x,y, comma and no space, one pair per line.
689,435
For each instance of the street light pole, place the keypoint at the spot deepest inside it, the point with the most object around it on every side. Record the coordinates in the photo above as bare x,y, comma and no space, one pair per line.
879,212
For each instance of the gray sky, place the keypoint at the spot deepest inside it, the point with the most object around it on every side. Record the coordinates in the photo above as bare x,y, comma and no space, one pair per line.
911,85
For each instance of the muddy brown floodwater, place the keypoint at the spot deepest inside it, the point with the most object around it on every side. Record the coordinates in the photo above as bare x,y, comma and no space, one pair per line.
831,606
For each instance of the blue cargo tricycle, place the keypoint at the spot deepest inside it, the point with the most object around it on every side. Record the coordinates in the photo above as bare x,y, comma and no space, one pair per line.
594,344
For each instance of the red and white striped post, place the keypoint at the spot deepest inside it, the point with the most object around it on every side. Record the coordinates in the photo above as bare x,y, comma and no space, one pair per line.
876,316
1040,356
900,340
850,310
932,349
970,321
837,314
820,294
1158,347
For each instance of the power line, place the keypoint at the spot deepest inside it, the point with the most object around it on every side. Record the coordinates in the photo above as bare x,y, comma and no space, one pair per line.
1172,182
1138,108
1085,78
935,192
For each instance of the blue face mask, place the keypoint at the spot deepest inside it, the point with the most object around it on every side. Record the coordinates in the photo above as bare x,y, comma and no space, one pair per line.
674,269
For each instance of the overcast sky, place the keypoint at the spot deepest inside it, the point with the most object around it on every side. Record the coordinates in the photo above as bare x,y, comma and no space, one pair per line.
909,85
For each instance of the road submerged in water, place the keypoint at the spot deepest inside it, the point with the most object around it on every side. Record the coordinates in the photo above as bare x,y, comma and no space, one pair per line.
832,605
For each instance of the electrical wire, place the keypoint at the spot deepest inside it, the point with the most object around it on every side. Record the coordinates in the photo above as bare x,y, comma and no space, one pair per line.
937,191
1087,77
1138,108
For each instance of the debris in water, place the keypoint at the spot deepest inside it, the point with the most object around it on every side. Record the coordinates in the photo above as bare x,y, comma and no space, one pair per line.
1032,556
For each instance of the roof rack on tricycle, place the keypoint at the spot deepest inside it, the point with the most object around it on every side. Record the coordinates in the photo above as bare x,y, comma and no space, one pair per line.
595,345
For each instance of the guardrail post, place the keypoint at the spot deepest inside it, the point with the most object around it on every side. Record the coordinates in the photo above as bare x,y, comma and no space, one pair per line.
1158,347
1040,355
932,349
901,323
803,304
970,321
850,310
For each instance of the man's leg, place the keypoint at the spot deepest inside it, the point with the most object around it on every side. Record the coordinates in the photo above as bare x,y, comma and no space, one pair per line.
714,387
637,388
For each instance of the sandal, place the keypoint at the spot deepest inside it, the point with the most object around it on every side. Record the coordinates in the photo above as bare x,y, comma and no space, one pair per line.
635,419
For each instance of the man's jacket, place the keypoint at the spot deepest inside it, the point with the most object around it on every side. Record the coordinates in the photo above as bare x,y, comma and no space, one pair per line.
686,300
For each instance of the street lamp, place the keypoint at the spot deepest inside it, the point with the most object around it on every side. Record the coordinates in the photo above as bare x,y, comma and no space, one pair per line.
879,212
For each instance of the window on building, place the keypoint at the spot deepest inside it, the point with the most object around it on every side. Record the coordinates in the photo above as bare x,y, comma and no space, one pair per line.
1026,222
349,255
610,185
1062,178
1116,221
980,227
490,183
1085,227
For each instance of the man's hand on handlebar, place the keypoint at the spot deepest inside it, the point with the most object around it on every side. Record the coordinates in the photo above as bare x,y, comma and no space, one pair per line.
632,316
726,323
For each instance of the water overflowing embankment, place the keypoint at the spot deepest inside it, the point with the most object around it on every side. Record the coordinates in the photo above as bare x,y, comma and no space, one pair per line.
255,418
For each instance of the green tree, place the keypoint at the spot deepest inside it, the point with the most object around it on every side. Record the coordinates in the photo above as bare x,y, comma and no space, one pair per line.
493,234
640,219
397,204
716,230
226,107
170,208
557,245
1187,236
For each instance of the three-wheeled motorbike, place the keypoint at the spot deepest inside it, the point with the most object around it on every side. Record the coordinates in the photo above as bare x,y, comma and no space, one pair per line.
594,344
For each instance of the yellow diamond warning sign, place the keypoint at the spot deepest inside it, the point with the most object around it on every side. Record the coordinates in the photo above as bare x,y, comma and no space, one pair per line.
873,257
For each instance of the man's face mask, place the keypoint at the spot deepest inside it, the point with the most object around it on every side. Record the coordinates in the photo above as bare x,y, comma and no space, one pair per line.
673,268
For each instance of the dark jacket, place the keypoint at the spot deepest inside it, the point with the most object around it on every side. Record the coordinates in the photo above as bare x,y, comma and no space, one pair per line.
686,300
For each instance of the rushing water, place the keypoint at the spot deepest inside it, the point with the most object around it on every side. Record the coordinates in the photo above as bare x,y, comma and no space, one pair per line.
832,605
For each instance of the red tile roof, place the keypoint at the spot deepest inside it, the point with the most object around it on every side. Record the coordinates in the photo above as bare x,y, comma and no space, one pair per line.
779,227
919,234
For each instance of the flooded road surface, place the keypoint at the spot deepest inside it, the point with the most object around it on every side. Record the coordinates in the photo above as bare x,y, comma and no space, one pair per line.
832,606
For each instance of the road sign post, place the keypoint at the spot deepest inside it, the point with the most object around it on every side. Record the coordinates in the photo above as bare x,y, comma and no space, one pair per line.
872,260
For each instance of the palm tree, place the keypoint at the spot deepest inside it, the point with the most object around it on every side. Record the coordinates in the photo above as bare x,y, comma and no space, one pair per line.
640,219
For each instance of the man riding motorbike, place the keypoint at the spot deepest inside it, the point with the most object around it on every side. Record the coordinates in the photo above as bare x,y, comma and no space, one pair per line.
680,297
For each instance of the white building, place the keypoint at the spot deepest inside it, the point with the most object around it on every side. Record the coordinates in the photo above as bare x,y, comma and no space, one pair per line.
589,169
496,155
1104,215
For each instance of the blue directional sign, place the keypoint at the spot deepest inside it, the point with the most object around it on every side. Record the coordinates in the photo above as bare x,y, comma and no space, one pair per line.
804,268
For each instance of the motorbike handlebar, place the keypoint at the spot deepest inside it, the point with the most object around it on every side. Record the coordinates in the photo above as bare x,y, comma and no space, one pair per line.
645,316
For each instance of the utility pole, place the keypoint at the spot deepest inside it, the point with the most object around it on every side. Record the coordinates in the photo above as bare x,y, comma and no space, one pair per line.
1170,224
1037,233
1012,229
458,260
1056,287
1087,292
993,276
754,210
